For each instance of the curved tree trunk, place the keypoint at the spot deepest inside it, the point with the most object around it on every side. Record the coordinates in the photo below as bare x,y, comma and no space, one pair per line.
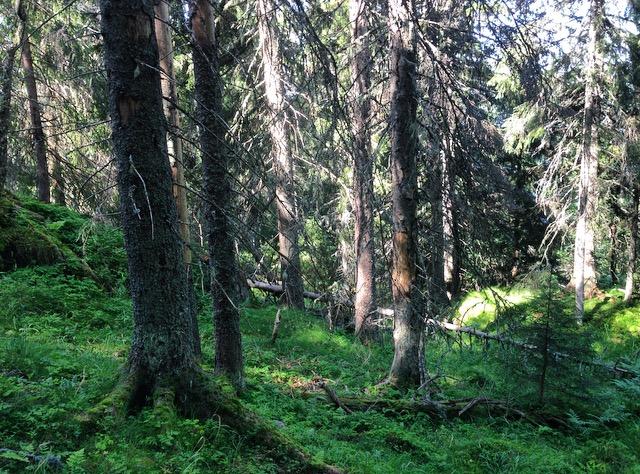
217,191
162,347
39,139
365,282
408,324
584,267
283,166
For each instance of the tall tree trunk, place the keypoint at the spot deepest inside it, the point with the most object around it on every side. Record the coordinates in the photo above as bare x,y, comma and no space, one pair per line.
6,92
584,268
613,252
217,191
633,242
174,145
39,139
450,232
283,165
438,287
162,347
365,282
169,92
408,324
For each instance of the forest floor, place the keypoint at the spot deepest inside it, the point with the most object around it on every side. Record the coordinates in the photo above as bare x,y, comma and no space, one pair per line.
64,339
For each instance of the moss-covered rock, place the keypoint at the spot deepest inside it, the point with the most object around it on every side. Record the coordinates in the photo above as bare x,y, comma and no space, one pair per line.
33,233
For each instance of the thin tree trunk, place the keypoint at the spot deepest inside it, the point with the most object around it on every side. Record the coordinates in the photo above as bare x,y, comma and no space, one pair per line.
162,347
217,191
450,234
39,139
438,287
408,324
283,165
584,270
174,143
613,252
174,146
632,249
365,281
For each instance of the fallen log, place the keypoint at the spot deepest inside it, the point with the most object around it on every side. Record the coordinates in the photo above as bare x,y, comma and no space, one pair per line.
445,409
471,331
614,368
276,289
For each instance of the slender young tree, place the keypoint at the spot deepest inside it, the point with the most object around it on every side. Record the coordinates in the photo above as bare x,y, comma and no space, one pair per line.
365,282
408,323
584,267
283,163
39,138
162,350
216,190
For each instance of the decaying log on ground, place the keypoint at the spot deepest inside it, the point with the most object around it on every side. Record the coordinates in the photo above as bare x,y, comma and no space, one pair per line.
614,368
464,408
277,290
471,331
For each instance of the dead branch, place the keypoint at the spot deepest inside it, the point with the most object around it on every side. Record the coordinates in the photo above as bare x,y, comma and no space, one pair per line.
276,327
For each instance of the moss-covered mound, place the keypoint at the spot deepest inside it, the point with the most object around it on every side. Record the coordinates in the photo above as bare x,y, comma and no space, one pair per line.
33,234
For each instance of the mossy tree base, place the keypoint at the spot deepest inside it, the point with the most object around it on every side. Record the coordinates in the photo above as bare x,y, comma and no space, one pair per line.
196,394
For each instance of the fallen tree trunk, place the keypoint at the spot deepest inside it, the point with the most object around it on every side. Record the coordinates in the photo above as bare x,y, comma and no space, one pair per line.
277,290
471,331
463,408
614,368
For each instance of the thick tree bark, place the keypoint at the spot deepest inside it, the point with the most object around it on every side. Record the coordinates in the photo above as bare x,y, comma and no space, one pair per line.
365,281
217,191
632,246
283,164
408,324
584,268
162,350
39,139
6,91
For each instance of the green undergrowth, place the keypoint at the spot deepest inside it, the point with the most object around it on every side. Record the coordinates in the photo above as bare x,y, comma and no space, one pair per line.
64,339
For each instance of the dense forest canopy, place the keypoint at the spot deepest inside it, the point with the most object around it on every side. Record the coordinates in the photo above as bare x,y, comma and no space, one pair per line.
424,210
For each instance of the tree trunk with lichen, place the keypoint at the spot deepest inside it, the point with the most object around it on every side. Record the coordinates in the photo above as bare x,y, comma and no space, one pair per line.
365,281
217,192
408,324
584,266
162,349
283,164
39,139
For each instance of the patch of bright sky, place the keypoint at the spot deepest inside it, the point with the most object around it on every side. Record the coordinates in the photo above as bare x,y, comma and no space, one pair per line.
566,21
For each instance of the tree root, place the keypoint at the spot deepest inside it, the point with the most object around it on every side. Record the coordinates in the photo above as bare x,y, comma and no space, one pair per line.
195,394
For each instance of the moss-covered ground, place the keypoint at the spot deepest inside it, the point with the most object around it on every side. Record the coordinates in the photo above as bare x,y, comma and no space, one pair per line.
64,339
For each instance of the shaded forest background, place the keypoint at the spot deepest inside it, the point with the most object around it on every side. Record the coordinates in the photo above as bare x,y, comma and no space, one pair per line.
422,212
